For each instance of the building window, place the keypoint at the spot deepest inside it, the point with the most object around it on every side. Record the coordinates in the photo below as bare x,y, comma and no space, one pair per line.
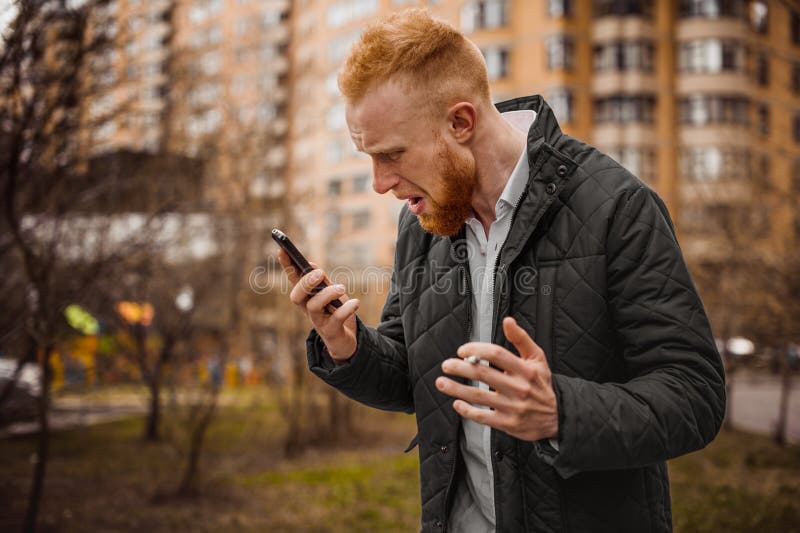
763,119
624,55
794,27
361,219
711,164
484,14
759,16
762,69
701,110
334,118
764,165
335,187
333,223
335,151
639,161
346,11
796,127
211,63
796,78
712,8
559,8
560,51
625,109
796,178
712,56
622,8
339,46
361,183
560,101
496,62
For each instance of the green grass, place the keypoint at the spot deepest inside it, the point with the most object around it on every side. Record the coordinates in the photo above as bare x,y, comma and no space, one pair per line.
105,478
740,482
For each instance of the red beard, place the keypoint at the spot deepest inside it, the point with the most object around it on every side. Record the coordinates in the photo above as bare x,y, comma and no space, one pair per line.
447,216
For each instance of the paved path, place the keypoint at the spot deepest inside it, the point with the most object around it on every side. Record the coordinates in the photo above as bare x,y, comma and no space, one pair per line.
754,404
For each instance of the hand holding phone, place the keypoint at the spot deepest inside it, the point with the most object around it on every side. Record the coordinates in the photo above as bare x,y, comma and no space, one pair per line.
334,320
299,261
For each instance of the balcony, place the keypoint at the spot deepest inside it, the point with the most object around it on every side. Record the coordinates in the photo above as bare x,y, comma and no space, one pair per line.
688,83
688,29
614,82
615,134
616,28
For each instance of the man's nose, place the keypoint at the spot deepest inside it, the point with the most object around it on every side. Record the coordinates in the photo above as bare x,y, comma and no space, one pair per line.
383,179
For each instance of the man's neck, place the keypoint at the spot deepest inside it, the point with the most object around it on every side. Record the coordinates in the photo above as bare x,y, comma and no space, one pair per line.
498,146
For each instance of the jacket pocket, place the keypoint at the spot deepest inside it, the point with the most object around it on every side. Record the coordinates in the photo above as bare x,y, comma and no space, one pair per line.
545,308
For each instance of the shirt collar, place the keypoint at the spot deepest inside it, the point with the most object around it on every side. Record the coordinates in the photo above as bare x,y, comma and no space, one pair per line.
518,180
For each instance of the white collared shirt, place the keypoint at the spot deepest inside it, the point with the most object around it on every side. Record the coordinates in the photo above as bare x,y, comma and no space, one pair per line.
473,506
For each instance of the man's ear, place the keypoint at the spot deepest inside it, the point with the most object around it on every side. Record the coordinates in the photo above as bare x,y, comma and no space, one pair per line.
462,118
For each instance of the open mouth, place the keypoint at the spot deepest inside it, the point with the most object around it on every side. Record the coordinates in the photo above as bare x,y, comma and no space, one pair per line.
415,204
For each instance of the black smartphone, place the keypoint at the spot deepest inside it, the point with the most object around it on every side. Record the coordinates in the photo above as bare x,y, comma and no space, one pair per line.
299,261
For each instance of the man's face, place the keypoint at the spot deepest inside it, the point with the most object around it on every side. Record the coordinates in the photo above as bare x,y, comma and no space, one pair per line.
411,156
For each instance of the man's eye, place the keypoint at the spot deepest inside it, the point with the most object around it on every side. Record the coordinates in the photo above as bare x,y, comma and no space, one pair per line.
394,156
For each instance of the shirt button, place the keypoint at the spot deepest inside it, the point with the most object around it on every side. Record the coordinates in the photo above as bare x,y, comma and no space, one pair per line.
443,449
498,456
551,188
438,524
562,170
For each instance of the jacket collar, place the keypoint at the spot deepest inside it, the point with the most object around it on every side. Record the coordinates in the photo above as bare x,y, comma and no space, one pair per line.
543,130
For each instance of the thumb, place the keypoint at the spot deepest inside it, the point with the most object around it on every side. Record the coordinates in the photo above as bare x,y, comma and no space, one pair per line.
527,349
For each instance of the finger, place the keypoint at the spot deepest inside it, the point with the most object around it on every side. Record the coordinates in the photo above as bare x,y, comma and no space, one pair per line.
505,383
496,355
495,419
334,323
473,395
321,300
525,345
288,267
303,288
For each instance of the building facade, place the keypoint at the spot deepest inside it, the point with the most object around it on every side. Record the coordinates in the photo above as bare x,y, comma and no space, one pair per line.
699,98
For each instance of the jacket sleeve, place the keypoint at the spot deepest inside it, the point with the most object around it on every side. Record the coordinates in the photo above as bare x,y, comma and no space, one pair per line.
377,375
674,400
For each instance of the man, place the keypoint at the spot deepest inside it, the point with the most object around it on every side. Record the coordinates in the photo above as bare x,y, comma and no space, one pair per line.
536,282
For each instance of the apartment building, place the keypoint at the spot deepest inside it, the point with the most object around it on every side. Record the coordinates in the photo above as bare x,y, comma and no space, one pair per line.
205,80
699,98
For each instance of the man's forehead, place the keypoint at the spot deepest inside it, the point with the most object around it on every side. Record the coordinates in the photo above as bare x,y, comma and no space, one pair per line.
381,116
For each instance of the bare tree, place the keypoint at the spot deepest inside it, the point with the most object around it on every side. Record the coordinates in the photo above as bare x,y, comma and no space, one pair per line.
46,54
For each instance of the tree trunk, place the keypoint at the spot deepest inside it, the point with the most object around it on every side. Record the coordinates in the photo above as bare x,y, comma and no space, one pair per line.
294,434
152,432
783,410
40,467
196,446
730,371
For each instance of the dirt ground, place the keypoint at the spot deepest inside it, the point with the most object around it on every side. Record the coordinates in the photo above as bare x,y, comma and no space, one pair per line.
104,478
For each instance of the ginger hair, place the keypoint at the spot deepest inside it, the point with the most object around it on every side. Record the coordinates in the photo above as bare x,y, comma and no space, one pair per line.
419,50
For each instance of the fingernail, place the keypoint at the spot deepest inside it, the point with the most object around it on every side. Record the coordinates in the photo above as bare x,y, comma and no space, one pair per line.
446,366
315,275
339,287
440,383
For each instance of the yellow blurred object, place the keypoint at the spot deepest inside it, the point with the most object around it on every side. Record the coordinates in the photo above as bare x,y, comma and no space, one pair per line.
231,375
203,373
57,365
136,313
84,349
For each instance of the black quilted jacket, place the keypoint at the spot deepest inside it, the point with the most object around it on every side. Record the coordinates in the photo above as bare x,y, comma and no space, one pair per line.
592,270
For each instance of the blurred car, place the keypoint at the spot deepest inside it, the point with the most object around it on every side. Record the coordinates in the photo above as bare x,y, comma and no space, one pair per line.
22,404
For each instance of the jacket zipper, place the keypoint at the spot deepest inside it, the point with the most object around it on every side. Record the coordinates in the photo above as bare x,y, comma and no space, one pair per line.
502,266
465,276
